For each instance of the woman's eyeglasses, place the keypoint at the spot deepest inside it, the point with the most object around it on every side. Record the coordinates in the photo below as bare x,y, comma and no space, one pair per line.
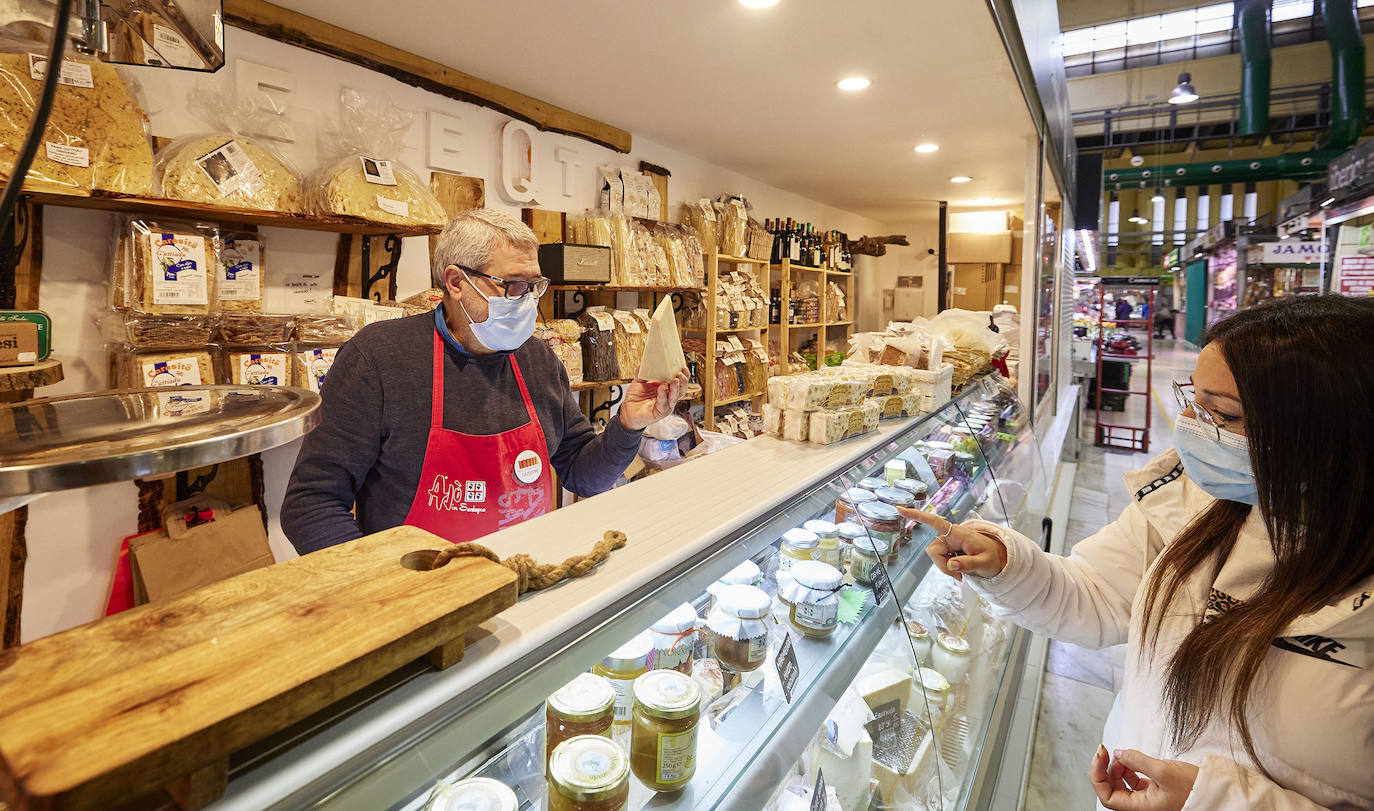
512,288
1186,400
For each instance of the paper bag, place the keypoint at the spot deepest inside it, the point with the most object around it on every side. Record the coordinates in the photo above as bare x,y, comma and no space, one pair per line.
168,564
663,357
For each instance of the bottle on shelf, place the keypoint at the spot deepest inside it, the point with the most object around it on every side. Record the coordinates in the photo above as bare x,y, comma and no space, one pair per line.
793,242
772,228
815,246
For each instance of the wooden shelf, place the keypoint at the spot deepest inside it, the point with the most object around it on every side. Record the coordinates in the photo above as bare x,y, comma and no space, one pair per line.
180,209
838,323
720,330
739,260
615,288
839,273
32,376
806,326
803,268
599,384
739,398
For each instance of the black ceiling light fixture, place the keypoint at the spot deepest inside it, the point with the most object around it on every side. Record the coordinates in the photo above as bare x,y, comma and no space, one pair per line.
1185,93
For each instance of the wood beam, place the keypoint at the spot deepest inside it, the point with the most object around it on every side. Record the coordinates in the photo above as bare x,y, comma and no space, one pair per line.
284,25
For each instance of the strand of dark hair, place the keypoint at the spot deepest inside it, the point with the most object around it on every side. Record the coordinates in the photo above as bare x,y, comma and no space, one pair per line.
1306,390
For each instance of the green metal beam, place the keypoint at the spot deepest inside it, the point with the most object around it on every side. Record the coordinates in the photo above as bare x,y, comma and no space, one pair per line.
1292,166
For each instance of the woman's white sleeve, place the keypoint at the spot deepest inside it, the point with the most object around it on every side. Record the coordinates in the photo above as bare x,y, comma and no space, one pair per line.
1223,784
1084,598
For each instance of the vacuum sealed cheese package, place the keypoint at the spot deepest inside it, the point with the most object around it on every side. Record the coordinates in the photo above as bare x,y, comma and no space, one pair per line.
96,138
362,174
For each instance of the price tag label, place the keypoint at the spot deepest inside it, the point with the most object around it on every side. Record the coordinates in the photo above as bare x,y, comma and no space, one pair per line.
786,661
880,585
818,802
887,718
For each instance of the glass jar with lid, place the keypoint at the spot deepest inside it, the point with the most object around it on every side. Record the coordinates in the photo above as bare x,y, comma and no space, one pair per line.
848,502
589,773
883,521
902,500
745,574
663,744
864,558
476,792
621,668
811,599
915,487
737,628
828,550
872,483
930,688
848,532
950,655
675,640
920,640
797,545
583,706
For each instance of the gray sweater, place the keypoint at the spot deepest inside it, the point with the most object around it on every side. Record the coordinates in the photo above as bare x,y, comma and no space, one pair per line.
370,446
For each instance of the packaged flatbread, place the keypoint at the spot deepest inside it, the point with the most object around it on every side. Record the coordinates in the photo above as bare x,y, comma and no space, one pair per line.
229,170
96,138
268,366
663,356
165,368
310,365
238,284
166,268
378,190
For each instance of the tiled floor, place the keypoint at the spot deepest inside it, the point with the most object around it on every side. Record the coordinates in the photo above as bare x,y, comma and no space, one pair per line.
1081,683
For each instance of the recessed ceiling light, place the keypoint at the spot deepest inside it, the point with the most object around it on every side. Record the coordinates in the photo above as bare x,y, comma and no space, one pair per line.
758,3
960,179
853,83
984,200
927,147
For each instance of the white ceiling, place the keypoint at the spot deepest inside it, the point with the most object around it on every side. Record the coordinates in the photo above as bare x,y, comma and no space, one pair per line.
753,90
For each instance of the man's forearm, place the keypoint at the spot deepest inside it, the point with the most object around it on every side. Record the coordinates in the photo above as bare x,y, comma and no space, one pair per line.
595,466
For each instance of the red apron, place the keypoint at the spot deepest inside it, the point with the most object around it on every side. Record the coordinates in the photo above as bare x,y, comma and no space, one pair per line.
474,485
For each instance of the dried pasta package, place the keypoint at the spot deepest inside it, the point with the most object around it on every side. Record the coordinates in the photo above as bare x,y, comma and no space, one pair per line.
96,138
260,365
248,329
701,216
239,271
599,361
165,267
326,328
734,227
162,368
363,176
630,334
756,365
424,301
623,262
691,247
563,336
310,363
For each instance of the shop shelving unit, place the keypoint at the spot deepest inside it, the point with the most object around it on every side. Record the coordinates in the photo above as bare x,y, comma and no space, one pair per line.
1116,435
830,326
707,375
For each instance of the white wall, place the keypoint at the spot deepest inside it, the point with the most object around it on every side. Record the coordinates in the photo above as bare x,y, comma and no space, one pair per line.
74,537
911,260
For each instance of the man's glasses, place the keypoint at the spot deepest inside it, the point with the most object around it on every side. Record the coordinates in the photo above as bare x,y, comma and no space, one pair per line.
512,288
1186,401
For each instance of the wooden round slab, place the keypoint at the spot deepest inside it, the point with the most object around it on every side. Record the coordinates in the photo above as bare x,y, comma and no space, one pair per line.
18,378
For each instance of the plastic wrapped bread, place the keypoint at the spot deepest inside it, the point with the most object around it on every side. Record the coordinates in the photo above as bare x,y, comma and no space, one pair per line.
349,188
165,368
833,425
310,365
249,329
562,337
267,366
167,268
96,138
228,170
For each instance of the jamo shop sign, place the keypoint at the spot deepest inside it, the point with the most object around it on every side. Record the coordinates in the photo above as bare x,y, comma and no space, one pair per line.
1292,251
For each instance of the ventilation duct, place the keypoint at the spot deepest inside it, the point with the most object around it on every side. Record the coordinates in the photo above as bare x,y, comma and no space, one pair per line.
1252,23
1347,73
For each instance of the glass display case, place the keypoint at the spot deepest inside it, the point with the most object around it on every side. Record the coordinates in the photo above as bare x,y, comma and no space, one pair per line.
814,644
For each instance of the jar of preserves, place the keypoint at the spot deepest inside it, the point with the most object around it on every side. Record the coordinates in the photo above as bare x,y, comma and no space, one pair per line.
915,487
797,545
920,641
872,483
828,550
865,557
583,706
737,628
589,773
951,656
963,464
675,640
901,499
663,744
849,501
931,688
813,605
745,574
849,532
621,668
883,521
476,792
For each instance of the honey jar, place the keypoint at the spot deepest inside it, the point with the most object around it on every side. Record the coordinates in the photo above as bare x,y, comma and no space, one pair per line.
589,773
737,628
813,606
663,740
583,706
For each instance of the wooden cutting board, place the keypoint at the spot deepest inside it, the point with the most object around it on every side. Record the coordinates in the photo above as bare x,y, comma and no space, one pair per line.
156,698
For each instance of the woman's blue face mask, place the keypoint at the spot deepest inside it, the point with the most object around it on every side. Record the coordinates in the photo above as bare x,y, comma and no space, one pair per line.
1218,462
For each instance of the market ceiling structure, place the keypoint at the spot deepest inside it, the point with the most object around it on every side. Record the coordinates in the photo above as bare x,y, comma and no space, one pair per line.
753,89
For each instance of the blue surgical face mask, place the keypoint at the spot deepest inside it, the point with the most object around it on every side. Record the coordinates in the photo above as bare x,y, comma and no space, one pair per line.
510,322
1221,467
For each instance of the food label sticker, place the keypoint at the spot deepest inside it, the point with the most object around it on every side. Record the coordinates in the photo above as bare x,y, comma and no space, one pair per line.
183,405
400,208
172,50
886,720
818,799
882,385
77,156
838,396
528,466
818,616
379,172
734,343
644,313
181,276
677,756
786,662
174,372
240,270
892,407
73,74
751,304
230,169
628,321
317,363
604,320
262,369
734,359
856,423
624,699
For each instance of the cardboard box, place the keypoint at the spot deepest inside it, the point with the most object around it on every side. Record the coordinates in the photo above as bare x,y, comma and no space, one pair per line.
1018,244
976,286
1011,285
979,248
25,337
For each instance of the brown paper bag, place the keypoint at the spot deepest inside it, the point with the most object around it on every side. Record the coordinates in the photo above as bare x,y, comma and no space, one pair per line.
663,357
178,559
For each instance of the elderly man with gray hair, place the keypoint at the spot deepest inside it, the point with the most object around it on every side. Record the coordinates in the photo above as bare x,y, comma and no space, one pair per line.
454,421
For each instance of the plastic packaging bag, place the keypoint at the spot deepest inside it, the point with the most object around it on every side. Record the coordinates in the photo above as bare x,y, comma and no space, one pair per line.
363,175
734,228
563,337
599,361
239,271
326,328
164,267
160,368
701,216
248,329
267,365
96,138
311,363
712,442
143,331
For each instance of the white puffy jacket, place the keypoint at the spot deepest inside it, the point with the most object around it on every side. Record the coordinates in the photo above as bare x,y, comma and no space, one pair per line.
1312,713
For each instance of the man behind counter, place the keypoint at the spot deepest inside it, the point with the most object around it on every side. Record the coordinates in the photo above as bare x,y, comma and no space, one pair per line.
452,421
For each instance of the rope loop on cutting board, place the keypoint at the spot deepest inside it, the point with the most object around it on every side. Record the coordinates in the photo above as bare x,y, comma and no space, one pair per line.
531,574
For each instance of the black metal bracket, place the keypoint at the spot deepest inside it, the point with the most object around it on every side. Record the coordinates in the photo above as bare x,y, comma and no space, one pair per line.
14,240
579,304
392,246
187,488
615,394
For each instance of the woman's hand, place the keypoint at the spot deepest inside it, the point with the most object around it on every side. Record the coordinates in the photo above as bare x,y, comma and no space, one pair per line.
646,403
1132,781
959,549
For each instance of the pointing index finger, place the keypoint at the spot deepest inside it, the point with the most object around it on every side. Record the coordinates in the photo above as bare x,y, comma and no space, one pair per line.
929,519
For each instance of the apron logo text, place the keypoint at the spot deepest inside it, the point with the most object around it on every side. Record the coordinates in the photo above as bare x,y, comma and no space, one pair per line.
457,495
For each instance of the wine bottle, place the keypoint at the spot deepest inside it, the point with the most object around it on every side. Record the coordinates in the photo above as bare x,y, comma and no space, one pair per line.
794,244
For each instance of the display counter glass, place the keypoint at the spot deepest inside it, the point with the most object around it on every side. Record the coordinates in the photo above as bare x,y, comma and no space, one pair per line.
862,668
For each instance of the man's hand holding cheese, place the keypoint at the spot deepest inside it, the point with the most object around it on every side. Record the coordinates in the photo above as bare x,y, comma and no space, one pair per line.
455,421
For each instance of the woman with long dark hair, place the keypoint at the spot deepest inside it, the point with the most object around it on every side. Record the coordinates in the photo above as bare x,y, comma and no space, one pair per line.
1241,577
